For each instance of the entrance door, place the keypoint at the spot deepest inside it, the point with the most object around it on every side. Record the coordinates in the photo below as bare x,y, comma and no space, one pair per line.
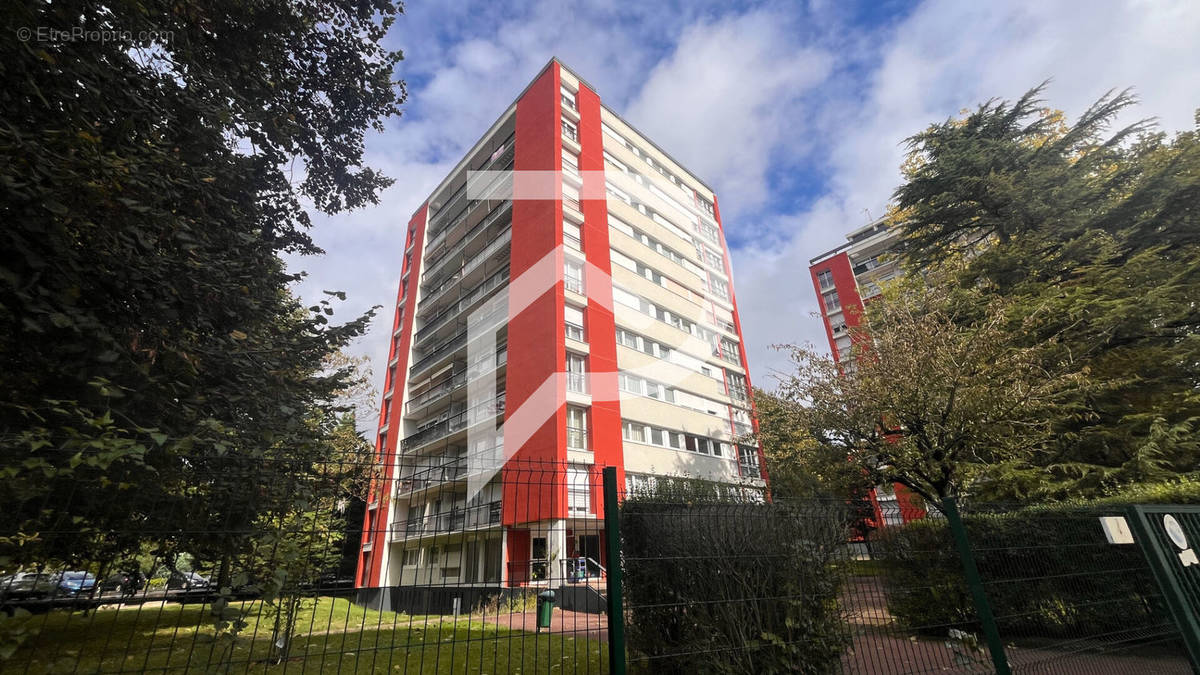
538,561
588,546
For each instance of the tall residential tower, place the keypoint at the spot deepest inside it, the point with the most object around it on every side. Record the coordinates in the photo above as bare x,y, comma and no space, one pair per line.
565,302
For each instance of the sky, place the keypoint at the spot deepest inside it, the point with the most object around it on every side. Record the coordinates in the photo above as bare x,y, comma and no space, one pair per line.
795,113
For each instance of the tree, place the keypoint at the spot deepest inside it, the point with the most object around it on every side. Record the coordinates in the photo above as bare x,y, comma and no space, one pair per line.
803,469
158,375
1093,240
937,397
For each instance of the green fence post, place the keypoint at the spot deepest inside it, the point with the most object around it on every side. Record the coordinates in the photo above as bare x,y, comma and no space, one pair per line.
1168,574
982,607
616,607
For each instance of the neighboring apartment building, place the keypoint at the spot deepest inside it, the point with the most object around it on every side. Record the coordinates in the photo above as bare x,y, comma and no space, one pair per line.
845,279
849,275
565,304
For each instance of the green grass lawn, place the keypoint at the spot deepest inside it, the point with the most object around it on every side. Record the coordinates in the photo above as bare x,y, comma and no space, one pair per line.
335,636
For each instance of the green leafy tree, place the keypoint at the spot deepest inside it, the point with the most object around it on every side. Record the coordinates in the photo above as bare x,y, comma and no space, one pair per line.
937,396
158,374
1092,238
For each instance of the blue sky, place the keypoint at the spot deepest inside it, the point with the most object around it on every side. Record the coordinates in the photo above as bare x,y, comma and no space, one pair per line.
794,112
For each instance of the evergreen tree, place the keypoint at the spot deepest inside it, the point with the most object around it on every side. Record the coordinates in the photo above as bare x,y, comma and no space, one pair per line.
158,375
1093,238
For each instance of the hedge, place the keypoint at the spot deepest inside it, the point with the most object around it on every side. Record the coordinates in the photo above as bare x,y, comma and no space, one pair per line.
732,588
1048,570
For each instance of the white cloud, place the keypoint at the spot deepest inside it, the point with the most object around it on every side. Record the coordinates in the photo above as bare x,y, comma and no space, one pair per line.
946,56
735,97
729,99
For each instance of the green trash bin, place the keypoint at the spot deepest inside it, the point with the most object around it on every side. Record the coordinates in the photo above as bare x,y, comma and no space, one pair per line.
545,609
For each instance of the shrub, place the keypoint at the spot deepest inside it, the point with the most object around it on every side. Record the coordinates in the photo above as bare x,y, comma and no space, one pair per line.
720,587
1048,570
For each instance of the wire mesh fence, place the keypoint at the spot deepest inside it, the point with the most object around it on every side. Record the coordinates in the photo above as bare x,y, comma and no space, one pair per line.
286,566
746,585
457,562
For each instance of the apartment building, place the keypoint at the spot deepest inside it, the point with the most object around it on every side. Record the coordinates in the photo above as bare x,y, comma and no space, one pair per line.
565,304
845,279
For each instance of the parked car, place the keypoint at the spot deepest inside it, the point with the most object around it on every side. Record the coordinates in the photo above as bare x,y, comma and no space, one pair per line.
28,585
76,583
126,582
187,581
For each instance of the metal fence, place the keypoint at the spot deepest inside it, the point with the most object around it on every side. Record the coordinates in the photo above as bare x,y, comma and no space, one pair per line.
451,570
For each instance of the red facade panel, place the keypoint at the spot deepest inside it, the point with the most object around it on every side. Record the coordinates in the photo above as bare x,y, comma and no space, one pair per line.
606,442
847,290
536,351
375,522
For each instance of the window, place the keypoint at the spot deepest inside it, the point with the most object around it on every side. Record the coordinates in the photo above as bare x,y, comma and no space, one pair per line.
709,232
568,98
825,279
570,196
576,373
574,323
579,490
711,258
572,235
748,461
706,206
831,301
719,287
729,350
570,131
632,431
737,386
577,433
618,193
573,276
570,162
411,556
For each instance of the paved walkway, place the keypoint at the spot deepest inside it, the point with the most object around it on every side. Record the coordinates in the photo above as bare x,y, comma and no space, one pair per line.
572,624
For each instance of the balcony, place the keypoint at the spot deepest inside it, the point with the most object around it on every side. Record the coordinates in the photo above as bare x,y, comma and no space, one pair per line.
477,321
433,323
574,285
482,366
442,221
435,261
423,479
454,423
434,294
458,519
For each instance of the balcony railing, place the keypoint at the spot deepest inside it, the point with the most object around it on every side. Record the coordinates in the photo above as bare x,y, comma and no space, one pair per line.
455,422
441,389
455,469
574,285
449,311
434,263
577,438
438,353
481,366
478,259
437,223
574,332
577,382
